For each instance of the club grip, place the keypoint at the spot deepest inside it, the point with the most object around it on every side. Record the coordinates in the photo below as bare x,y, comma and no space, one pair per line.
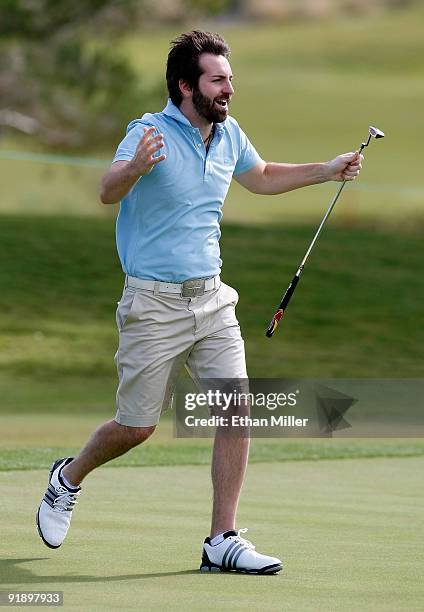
282,307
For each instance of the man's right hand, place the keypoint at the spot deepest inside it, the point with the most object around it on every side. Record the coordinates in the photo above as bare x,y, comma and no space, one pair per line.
144,160
122,175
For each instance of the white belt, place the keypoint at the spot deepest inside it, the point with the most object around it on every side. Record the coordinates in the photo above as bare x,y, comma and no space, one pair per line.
189,288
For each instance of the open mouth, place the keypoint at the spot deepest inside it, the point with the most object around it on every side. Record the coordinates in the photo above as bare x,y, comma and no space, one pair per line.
222,103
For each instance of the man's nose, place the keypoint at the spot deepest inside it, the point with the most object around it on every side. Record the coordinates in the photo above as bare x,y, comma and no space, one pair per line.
229,89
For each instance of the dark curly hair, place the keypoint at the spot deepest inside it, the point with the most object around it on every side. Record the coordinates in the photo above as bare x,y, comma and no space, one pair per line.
183,59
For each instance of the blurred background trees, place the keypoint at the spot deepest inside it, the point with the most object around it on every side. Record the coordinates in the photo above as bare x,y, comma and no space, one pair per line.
63,80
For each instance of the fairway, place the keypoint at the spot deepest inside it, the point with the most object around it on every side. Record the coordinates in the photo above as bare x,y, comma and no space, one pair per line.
347,531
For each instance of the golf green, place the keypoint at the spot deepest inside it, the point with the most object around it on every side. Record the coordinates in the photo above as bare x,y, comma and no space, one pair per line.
347,531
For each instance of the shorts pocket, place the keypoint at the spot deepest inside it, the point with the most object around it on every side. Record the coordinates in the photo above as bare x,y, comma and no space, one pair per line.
125,307
230,294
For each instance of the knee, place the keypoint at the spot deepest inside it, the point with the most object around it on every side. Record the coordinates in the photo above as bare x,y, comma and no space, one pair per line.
137,435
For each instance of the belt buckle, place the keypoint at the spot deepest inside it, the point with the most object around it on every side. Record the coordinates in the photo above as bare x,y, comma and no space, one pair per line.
193,288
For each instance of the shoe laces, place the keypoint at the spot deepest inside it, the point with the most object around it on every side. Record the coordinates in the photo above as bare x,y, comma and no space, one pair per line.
238,537
65,499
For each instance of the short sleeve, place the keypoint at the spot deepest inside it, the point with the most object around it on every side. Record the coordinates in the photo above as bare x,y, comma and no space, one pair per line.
128,146
248,156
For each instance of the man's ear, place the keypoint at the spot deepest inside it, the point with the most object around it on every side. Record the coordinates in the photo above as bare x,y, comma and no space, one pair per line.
185,88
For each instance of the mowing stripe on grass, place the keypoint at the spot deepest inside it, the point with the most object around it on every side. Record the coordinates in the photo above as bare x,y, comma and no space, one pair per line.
179,453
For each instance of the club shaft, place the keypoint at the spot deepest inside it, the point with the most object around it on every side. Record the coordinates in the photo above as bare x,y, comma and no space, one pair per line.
315,238
376,133
290,289
327,214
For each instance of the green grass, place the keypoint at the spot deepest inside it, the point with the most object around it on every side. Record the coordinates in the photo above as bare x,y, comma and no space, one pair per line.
35,441
356,312
390,42
347,532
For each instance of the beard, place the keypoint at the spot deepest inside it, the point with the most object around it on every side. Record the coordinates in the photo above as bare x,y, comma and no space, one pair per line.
207,108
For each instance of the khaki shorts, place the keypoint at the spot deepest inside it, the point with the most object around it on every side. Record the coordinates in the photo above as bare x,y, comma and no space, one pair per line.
159,333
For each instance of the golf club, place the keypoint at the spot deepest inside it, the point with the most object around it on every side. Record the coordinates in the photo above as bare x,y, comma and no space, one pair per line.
373,132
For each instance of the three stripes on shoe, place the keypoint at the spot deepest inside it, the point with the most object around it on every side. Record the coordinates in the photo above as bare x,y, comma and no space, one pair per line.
60,498
231,555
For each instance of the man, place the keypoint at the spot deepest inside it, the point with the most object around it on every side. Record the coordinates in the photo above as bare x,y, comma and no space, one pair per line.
171,173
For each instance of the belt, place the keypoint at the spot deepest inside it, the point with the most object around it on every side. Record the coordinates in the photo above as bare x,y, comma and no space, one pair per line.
189,288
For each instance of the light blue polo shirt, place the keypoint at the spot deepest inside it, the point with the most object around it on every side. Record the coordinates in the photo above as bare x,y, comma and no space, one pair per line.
168,224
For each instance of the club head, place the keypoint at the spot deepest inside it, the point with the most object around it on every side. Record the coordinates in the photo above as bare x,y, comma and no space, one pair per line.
375,132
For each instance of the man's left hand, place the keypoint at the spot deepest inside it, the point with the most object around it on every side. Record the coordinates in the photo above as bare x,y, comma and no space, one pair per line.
344,167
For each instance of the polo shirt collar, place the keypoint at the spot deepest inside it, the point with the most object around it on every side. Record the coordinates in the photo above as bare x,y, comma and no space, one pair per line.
173,111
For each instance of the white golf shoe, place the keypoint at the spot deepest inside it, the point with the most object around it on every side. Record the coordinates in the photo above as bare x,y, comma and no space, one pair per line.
55,511
236,554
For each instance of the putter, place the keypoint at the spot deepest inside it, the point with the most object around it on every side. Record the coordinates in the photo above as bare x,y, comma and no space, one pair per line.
372,133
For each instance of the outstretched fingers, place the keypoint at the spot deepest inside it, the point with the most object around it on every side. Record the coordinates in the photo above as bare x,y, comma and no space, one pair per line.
148,132
148,141
156,160
148,147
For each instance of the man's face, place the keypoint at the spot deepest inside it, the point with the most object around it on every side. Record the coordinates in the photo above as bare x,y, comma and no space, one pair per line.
212,95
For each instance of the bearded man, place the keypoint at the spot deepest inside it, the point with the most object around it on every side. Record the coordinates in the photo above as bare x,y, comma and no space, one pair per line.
171,174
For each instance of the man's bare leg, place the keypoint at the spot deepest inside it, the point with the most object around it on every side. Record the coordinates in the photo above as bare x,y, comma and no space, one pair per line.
110,440
231,553
229,461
